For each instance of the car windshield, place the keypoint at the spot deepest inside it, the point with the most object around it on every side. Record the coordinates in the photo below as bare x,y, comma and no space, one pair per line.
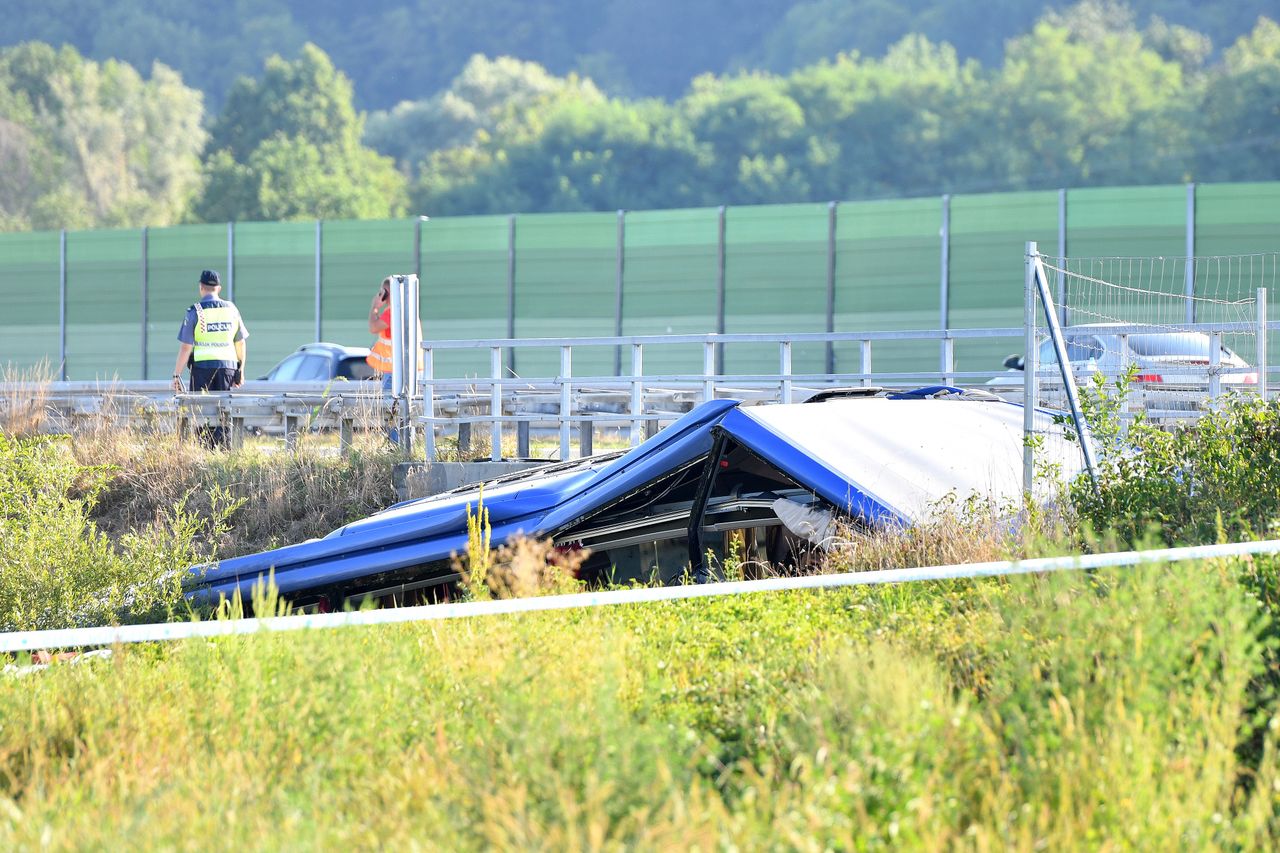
1078,349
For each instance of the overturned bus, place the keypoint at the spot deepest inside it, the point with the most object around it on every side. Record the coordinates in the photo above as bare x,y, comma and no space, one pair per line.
780,477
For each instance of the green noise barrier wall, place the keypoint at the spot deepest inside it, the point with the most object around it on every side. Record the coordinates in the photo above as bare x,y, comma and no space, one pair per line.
107,303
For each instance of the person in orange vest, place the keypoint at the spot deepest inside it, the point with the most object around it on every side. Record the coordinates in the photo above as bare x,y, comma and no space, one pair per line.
379,357
380,324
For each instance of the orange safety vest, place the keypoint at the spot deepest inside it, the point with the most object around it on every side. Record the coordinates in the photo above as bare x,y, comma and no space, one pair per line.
379,357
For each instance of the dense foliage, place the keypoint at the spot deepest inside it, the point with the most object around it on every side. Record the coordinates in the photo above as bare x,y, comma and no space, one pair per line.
1090,94
398,50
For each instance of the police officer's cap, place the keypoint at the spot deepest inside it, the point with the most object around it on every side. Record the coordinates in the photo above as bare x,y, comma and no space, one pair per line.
209,278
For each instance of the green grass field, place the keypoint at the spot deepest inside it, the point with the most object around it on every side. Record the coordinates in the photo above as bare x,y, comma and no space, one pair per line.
1074,712
1118,709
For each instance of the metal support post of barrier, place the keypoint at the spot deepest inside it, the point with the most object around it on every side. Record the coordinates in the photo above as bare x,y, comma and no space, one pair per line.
566,400
784,369
319,280
637,393
586,437
346,433
522,440
146,283
237,432
721,274
944,285
429,403
292,424
1215,365
948,360
464,439
1029,366
709,371
1262,343
495,404
1190,271
831,284
865,347
62,305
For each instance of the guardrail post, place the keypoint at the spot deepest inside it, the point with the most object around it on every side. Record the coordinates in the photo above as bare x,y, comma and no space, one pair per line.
292,423
709,370
637,393
346,432
522,439
866,363
586,436
237,432
948,359
784,368
495,405
566,400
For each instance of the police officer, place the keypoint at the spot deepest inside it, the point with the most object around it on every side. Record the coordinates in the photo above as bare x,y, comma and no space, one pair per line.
213,338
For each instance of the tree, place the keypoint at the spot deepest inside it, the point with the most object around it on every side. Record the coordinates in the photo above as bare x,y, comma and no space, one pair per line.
490,95
94,144
1239,114
288,147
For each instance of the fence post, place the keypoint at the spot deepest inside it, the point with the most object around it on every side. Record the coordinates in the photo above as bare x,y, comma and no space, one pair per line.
62,304
566,399
1029,379
1062,255
1215,364
866,363
511,289
709,369
145,285
495,404
718,364
429,403
784,368
619,267
231,261
637,393
1262,343
944,285
831,285
948,360
1191,253
319,329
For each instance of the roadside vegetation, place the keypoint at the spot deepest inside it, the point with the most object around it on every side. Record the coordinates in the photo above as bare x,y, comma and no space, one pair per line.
1126,708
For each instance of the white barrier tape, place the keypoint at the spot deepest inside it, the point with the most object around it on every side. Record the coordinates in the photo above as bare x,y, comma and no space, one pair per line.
78,637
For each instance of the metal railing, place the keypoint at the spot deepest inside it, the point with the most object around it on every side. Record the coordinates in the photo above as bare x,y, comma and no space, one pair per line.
635,402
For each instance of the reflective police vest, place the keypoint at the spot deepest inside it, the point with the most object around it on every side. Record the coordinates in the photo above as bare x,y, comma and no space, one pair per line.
215,333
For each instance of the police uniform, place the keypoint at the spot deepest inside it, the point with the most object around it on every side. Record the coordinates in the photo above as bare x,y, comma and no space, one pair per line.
211,327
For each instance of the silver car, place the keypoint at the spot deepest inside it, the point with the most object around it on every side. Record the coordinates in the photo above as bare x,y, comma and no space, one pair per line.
1171,369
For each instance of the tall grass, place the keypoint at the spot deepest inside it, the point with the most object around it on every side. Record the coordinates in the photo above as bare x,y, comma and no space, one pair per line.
1108,713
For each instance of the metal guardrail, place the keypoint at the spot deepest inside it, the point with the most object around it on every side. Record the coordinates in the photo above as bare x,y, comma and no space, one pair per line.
637,402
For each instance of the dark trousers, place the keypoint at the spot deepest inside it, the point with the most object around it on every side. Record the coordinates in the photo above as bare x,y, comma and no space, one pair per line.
213,379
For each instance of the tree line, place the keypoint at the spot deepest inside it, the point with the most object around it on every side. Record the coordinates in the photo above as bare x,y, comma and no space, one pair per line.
1086,97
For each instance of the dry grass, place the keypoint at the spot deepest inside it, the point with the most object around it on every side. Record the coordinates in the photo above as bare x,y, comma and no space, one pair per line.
23,393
